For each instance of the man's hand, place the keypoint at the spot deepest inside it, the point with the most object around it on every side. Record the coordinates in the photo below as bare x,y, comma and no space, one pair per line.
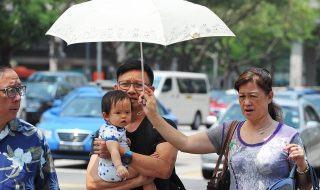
100,148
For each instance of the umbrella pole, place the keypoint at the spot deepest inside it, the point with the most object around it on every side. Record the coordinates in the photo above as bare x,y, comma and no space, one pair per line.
142,66
142,71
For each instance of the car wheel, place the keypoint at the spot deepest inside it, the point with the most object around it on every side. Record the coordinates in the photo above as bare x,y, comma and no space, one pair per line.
206,173
196,122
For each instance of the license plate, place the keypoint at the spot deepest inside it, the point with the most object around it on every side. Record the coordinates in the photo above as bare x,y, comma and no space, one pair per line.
71,147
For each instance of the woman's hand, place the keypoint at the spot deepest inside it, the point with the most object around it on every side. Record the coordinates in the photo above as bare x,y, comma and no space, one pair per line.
150,106
100,148
296,154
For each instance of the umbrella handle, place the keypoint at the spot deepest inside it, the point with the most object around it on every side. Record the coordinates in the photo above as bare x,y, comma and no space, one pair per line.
142,72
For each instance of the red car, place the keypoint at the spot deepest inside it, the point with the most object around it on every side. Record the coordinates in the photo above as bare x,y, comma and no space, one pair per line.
219,101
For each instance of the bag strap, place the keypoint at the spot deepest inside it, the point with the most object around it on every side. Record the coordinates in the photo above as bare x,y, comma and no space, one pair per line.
293,171
225,149
314,178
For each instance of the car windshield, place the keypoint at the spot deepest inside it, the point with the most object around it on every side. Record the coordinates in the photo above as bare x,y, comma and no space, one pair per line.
216,94
290,115
227,99
40,90
233,113
156,81
43,78
83,107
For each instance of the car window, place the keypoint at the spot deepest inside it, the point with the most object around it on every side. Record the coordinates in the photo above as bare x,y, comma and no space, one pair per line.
167,86
187,85
83,107
227,99
291,116
40,90
233,113
63,90
310,114
43,78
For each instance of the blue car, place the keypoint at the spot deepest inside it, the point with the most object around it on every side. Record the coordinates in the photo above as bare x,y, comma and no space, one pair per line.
69,126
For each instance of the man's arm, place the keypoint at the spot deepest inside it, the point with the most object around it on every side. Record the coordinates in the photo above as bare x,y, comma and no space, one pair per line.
160,167
94,182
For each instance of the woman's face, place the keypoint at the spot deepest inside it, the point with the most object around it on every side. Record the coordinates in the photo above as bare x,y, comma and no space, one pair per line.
253,101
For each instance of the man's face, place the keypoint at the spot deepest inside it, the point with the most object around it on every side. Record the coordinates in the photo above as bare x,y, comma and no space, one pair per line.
130,82
9,106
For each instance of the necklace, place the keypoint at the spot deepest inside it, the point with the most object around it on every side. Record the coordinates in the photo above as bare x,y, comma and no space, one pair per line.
263,130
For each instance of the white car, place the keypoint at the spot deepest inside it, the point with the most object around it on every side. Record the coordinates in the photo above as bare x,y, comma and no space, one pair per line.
298,113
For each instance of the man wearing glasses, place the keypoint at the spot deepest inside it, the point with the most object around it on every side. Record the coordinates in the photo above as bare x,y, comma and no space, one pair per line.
25,157
145,141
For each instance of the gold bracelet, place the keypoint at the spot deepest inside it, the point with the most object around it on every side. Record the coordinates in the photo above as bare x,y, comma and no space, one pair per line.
304,171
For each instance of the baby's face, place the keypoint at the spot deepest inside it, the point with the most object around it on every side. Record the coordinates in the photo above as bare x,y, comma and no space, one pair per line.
120,114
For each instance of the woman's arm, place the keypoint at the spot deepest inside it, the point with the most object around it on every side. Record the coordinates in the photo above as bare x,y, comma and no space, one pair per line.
296,154
198,143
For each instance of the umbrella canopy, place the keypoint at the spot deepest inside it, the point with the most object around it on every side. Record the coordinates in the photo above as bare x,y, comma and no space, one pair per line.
152,21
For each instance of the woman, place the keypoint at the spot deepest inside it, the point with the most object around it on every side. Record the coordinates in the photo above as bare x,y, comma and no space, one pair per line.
262,150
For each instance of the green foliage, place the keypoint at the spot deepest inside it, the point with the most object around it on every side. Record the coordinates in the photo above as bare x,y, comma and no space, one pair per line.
24,22
264,31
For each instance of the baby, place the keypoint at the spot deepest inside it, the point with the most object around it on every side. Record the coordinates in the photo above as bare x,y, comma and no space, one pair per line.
116,110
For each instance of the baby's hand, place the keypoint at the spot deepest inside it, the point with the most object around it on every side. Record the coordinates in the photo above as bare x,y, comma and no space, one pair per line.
155,155
122,171
128,142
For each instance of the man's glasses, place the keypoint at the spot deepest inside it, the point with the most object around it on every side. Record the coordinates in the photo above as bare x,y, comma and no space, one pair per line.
11,92
125,85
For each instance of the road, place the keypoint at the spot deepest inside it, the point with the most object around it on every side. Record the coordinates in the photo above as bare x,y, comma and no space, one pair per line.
71,173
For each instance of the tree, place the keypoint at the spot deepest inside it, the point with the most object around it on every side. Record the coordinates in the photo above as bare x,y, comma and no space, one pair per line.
264,32
25,22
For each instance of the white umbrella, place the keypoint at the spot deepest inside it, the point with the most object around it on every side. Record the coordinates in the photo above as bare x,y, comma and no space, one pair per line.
152,21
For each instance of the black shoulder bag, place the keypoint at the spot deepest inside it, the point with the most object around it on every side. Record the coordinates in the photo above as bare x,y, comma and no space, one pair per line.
221,180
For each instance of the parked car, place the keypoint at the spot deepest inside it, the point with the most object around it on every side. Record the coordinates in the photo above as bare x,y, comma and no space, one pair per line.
40,97
186,94
314,99
68,127
299,114
219,101
72,78
104,84
295,93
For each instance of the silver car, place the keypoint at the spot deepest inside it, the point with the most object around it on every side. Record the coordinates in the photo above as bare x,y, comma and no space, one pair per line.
297,113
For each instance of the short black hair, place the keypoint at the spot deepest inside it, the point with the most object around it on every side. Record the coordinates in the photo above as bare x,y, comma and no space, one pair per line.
111,98
135,65
4,69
